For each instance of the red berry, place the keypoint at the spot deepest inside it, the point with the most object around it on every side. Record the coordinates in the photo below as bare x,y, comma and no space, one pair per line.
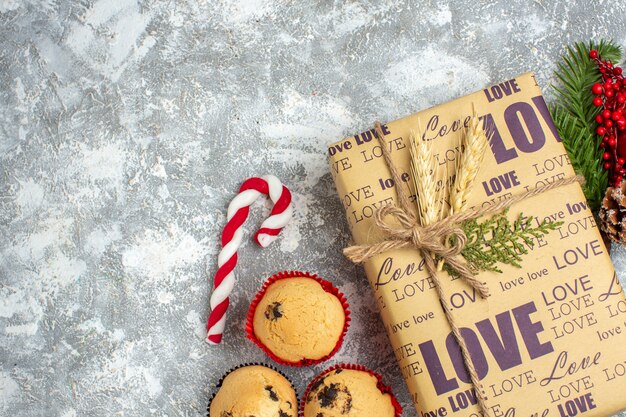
597,101
607,165
609,93
620,161
606,156
615,115
596,89
593,54
612,143
618,71
621,99
599,119
606,114
601,131
608,123
621,124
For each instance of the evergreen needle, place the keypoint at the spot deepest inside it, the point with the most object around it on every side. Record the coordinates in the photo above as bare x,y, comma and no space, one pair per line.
574,114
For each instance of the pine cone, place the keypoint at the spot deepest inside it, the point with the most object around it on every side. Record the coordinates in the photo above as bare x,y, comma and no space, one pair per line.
613,213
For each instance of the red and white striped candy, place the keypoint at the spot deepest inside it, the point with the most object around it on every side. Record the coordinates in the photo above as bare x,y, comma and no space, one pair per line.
232,235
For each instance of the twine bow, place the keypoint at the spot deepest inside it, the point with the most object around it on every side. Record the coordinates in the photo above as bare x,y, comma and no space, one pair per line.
443,240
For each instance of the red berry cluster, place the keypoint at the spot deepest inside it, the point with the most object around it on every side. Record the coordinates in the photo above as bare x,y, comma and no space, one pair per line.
611,96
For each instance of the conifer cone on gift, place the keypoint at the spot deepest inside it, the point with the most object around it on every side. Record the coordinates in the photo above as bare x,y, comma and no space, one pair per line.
613,213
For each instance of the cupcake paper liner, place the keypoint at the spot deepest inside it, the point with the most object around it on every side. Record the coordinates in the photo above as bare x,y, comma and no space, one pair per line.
327,286
385,389
243,365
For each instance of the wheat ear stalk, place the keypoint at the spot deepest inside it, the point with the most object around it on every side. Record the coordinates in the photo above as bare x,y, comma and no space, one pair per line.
475,142
423,171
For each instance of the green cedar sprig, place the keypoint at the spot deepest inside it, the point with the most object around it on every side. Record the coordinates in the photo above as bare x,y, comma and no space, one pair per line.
497,240
574,114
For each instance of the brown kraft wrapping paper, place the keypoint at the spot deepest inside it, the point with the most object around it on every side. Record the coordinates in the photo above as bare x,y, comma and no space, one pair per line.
551,339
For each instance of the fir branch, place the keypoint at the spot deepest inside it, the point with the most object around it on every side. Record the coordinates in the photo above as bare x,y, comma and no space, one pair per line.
585,155
574,113
497,240
577,73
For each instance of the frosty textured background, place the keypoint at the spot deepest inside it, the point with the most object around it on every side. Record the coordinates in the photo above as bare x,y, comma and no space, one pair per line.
125,130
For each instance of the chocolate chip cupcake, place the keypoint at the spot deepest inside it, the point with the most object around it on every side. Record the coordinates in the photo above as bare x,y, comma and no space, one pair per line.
298,319
349,391
254,390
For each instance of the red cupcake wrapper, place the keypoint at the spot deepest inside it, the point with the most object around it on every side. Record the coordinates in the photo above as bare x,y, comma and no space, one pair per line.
385,389
327,286
243,365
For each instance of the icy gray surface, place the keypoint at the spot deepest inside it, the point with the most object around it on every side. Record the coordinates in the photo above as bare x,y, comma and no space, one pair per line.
125,130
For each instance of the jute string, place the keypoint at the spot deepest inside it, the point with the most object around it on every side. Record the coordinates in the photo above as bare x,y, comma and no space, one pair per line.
404,231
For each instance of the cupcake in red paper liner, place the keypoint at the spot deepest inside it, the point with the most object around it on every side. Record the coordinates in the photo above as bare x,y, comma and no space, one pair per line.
349,391
254,390
298,319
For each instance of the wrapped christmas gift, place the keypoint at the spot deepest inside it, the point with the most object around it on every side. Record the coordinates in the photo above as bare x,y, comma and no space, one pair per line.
550,339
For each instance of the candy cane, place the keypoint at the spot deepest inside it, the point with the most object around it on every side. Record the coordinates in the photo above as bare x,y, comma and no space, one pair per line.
232,235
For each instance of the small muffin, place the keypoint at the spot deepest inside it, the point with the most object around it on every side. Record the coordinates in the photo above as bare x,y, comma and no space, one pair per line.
347,393
254,391
297,320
